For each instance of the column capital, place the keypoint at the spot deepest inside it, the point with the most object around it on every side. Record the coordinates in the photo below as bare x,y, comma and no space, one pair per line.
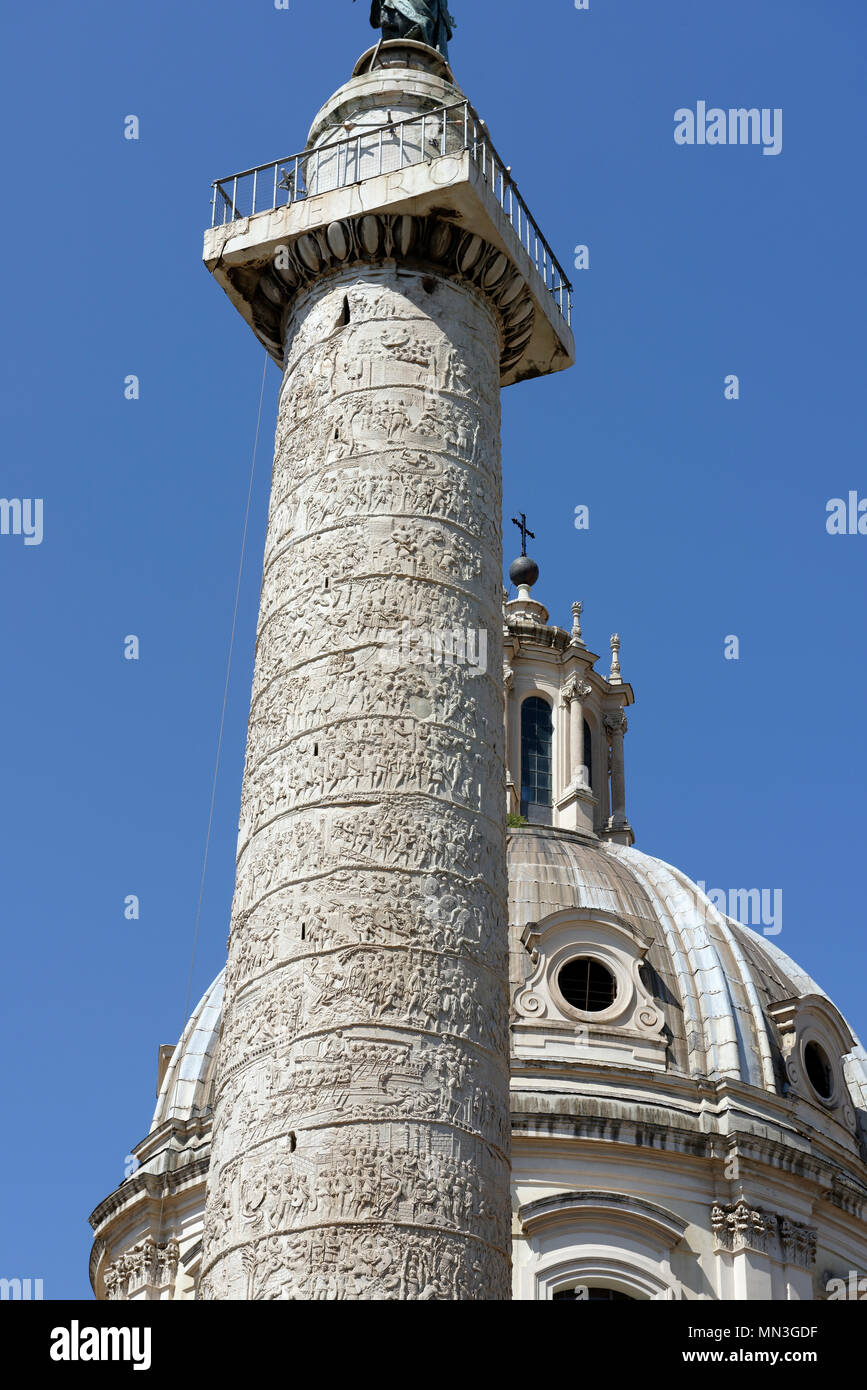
740,1226
616,723
577,689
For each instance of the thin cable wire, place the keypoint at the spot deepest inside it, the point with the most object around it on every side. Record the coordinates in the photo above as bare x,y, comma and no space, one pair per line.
219,748
226,692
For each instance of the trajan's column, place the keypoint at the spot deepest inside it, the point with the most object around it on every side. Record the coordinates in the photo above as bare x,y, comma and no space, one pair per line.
361,1141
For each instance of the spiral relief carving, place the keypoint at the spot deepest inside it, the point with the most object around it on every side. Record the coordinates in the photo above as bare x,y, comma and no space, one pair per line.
361,1130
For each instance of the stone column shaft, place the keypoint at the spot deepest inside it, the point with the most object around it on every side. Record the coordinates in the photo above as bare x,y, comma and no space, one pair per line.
362,1119
578,692
563,733
361,1130
618,774
576,714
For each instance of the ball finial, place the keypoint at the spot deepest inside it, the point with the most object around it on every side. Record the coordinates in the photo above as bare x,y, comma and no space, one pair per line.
524,571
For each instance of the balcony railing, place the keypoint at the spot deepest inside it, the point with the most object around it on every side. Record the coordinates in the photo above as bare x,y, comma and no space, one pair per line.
382,149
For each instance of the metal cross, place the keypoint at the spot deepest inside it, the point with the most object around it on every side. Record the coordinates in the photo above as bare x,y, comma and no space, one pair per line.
522,527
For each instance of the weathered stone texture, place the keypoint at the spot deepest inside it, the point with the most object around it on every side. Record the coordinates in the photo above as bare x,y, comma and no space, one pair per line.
361,1134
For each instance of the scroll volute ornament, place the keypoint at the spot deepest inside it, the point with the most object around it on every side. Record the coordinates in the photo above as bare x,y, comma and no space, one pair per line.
604,937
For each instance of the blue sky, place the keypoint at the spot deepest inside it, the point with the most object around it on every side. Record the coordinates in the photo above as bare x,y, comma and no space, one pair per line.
707,515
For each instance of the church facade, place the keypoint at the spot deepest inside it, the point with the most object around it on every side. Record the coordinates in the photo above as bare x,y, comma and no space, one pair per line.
470,1043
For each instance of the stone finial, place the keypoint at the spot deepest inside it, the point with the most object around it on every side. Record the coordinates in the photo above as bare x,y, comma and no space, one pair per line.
614,677
577,610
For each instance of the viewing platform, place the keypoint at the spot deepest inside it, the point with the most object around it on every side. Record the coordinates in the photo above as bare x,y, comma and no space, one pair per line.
421,187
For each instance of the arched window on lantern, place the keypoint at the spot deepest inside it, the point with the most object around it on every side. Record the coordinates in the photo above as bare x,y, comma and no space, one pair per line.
537,732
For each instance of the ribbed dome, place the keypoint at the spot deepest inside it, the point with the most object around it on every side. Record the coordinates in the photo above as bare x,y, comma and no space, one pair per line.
715,979
186,1086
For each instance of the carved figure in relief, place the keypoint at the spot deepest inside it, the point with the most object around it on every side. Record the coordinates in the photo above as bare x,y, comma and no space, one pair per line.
318,733
373,1264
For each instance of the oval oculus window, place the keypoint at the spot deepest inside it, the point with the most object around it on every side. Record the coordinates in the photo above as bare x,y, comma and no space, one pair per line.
587,985
818,1069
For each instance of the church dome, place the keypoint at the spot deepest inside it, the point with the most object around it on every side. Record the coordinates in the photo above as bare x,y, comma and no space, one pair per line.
729,998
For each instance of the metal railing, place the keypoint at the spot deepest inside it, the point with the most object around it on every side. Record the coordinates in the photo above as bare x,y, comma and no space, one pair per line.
382,149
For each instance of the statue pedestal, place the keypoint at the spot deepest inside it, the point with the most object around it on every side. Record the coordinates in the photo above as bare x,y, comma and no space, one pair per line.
403,53
575,810
619,832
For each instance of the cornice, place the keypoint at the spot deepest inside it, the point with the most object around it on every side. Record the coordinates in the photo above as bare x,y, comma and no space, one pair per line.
144,1186
427,243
